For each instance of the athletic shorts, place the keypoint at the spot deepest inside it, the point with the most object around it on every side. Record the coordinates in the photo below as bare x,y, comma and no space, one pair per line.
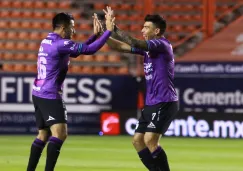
49,112
157,118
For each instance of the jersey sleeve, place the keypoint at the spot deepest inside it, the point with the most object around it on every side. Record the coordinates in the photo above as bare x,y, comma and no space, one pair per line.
137,51
75,49
90,40
96,45
157,45
70,47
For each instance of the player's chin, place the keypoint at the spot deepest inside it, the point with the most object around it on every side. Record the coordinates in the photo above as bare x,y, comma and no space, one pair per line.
145,37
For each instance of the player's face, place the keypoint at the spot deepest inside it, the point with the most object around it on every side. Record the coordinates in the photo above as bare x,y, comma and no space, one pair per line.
69,31
149,30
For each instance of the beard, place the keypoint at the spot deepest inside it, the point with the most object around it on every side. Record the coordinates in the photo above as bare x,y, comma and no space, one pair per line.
68,34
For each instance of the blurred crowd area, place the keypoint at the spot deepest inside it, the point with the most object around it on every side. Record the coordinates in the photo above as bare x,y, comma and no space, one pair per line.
24,23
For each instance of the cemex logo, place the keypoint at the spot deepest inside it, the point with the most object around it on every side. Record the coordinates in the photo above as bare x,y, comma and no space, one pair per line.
110,123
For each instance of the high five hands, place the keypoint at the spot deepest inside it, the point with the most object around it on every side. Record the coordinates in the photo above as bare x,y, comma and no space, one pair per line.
110,19
96,24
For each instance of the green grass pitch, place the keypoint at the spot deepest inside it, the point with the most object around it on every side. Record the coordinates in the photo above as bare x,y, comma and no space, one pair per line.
115,153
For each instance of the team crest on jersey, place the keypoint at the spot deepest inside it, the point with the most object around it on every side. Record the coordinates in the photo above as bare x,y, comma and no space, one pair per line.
66,42
148,67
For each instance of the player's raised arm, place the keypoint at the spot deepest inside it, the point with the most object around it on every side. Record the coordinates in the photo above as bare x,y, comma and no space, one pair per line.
97,31
76,49
112,42
97,44
141,44
118,45
125,37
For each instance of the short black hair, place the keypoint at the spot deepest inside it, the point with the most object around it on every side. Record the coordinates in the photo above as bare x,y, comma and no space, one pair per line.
158,21
61,19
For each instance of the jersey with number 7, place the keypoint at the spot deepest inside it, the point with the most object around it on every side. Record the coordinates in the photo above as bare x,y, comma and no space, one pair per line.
159,71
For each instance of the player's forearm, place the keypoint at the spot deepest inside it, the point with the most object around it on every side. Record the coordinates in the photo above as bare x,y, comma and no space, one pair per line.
118,45
141,44
111,44
91,39
97,44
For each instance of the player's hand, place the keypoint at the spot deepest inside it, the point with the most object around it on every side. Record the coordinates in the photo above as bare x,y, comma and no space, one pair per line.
110,20
109,10
97,27
100,23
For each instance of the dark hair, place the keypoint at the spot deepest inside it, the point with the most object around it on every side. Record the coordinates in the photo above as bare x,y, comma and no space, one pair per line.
61,19
158,21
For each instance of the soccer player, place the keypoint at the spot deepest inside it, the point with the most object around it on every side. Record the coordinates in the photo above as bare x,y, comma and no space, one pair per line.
53,61
161,98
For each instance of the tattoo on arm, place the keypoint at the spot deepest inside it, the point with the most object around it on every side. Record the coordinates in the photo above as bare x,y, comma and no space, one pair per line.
141,44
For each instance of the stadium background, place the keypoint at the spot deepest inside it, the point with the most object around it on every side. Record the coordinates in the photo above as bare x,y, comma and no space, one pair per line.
104,92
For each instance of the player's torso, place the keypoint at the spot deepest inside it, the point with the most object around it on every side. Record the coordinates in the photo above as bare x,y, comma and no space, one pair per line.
159,74
52,69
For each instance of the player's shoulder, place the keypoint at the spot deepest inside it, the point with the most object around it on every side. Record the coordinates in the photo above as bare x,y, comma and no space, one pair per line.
161,40
157,42
51,39
64,42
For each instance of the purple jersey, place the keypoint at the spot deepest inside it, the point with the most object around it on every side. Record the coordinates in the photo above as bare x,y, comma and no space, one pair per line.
159,71
53,61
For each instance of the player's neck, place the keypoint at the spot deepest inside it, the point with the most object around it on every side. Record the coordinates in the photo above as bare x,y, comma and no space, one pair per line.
58,32
158,37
